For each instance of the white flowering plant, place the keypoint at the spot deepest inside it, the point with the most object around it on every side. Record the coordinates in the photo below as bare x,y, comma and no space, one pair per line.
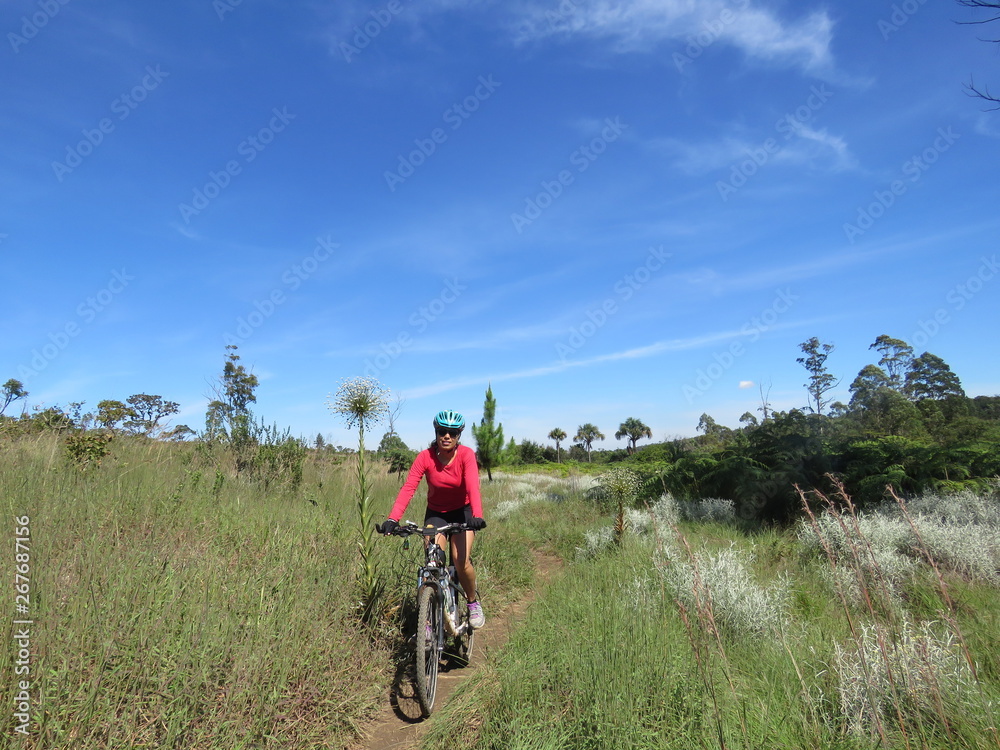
363,402
360,402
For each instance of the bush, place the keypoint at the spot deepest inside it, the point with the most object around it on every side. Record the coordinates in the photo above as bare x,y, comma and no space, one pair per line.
911,672
720,585
88,449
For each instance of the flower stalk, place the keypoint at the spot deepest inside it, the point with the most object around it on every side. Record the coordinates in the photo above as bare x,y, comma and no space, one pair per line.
363,403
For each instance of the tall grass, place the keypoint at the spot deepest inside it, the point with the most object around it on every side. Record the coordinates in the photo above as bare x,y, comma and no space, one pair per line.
700,635
176,607
568,678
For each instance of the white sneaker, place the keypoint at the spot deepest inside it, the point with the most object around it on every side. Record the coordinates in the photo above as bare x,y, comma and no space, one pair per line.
476,617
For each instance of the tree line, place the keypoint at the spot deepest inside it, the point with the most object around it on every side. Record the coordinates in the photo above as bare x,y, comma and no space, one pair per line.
908,424
234,441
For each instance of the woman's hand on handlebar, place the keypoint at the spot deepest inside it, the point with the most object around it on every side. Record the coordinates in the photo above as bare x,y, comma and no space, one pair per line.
388,527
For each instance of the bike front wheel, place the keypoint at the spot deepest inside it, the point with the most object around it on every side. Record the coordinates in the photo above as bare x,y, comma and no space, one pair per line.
428,630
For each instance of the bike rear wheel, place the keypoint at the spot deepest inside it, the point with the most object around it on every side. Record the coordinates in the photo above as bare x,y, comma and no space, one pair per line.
428,628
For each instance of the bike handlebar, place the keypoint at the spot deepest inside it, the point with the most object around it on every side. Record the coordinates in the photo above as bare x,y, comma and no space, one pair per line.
409,527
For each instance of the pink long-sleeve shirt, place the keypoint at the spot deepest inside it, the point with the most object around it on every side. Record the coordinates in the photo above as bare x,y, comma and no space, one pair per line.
449,487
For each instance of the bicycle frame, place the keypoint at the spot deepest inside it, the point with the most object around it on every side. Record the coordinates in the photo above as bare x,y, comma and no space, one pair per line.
438,592
444,578
434,572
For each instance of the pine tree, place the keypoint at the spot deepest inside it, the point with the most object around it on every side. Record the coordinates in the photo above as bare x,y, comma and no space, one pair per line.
489,437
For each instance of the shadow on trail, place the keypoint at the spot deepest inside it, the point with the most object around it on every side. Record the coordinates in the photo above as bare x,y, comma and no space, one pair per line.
403,692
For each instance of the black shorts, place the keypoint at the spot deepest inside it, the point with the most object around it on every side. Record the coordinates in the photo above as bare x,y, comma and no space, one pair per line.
439,518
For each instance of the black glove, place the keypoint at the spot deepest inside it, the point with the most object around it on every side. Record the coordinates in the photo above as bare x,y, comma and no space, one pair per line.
388,527
477,524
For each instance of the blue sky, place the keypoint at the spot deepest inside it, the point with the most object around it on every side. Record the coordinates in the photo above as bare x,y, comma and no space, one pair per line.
607,209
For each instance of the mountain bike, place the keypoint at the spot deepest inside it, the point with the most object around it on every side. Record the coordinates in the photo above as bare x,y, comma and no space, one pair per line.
442,611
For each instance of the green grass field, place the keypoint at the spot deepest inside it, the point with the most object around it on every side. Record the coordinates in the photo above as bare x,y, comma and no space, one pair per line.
176,607
853,632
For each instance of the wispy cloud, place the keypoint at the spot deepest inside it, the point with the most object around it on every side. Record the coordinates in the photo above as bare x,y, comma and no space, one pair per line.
635,25
819,146
641,352
640,25
803,146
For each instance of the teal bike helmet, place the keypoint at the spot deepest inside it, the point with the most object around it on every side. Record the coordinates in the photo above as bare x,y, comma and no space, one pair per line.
449,418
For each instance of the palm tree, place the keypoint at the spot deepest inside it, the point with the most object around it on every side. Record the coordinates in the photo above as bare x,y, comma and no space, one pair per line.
587,434
635,430
558,435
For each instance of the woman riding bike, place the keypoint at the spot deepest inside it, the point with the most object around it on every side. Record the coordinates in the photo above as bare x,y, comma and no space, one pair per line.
452,497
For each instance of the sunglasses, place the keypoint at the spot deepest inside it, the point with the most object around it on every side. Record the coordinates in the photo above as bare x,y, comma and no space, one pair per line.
442,431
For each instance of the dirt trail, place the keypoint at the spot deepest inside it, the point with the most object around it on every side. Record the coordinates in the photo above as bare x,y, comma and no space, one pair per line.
400,725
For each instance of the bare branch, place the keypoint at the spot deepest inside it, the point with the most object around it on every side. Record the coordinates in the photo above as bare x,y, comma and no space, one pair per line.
989,4
983,94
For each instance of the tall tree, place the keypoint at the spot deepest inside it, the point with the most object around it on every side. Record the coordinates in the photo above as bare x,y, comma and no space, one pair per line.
238,385
765,403
489,436
110,413
897,357
821,381
714,432
586,434
228,417
558,435
931,378
11,391
708,425
634,430
229,413
145,412
867,385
